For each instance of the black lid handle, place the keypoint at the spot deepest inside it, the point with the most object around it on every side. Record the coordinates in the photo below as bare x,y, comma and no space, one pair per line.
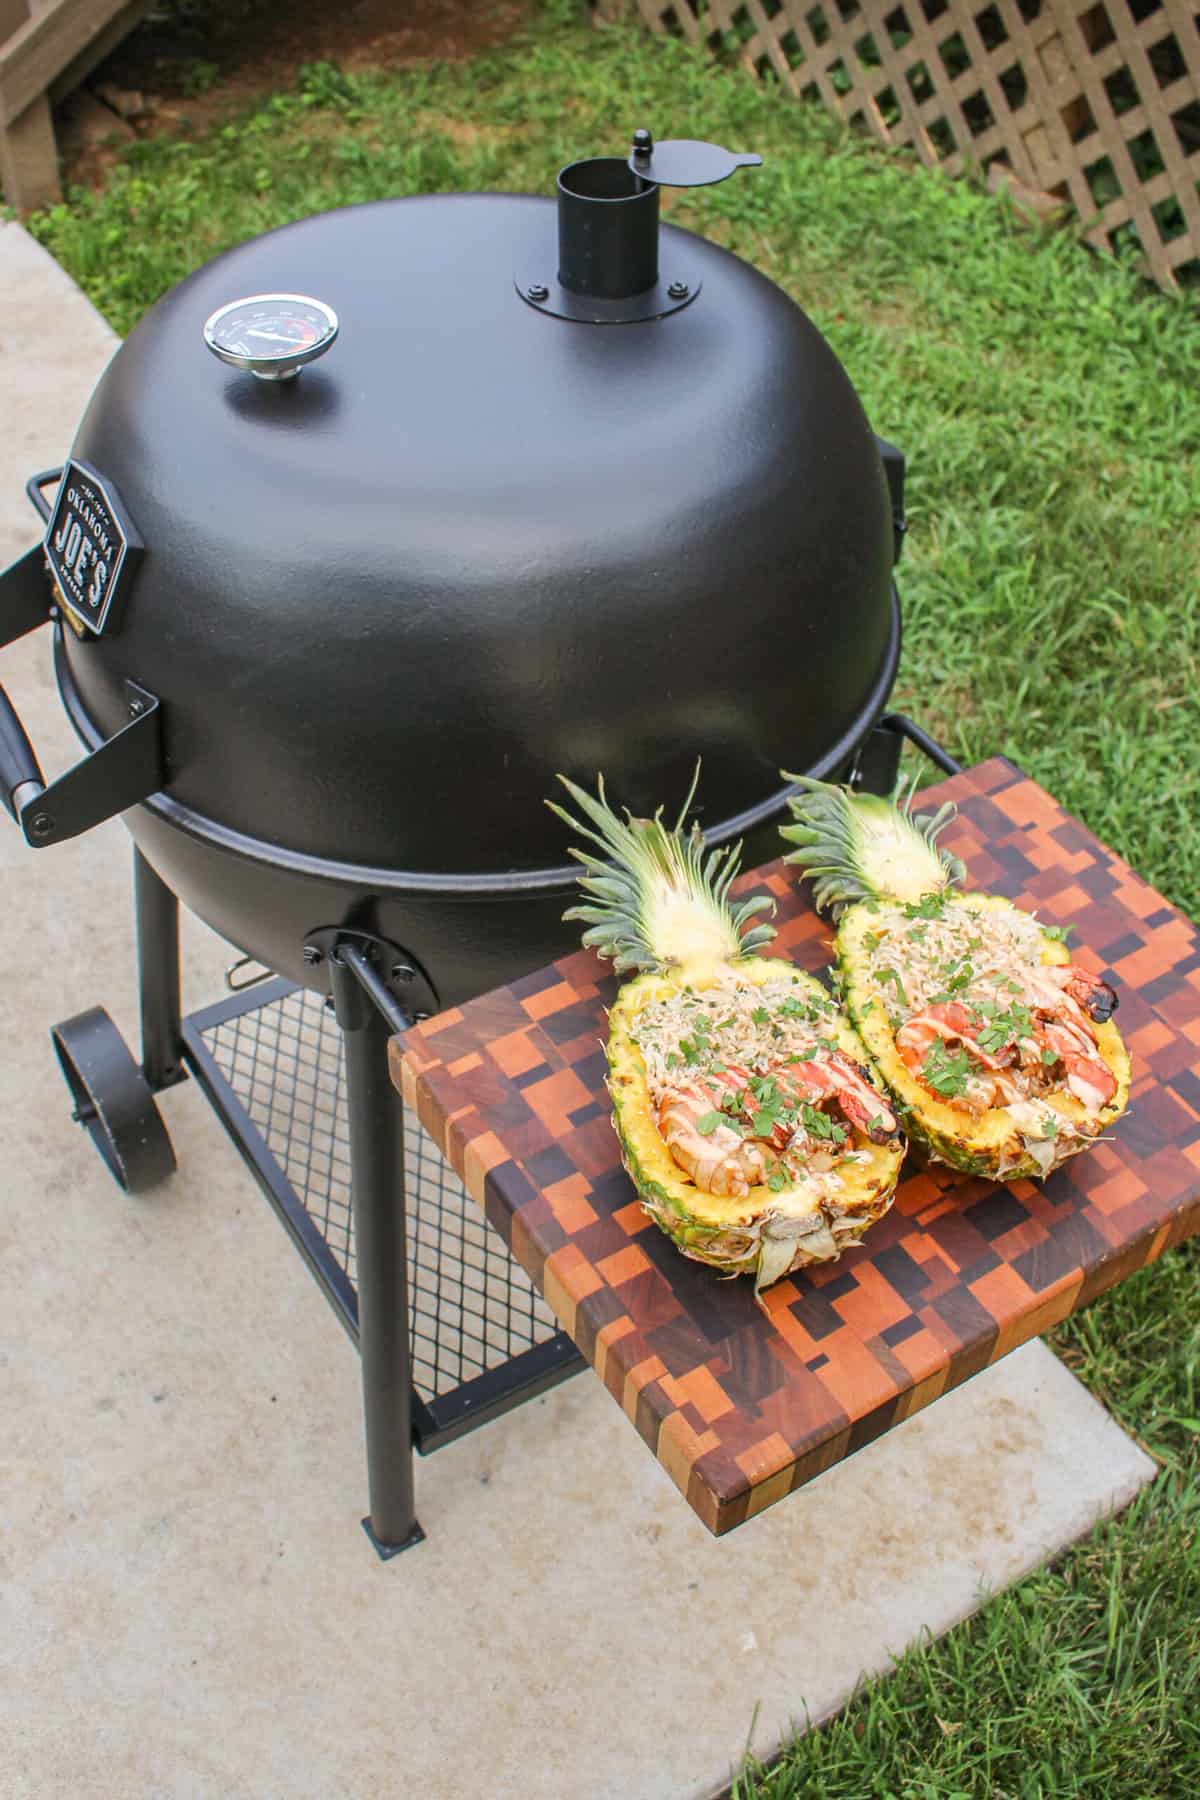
20,777
686,162
24,605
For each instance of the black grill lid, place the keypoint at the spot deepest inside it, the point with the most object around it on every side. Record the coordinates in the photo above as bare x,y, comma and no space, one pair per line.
476,543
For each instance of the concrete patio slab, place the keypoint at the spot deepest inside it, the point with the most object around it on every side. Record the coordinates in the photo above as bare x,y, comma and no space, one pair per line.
187,1604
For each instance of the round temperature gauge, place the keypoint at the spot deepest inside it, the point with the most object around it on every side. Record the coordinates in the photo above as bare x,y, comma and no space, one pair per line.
271,335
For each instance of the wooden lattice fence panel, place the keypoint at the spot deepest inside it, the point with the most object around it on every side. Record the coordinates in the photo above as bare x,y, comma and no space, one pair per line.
1095,103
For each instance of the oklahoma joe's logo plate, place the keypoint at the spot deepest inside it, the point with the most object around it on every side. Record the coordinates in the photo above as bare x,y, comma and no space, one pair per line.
92,547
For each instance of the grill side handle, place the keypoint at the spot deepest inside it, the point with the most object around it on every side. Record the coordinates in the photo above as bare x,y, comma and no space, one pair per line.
20,776
124,770
24,605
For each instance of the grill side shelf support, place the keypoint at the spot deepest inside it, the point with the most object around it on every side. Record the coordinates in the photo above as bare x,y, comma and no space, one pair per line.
376,1116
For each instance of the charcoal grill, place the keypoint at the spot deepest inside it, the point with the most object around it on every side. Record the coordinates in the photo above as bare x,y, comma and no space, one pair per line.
336,585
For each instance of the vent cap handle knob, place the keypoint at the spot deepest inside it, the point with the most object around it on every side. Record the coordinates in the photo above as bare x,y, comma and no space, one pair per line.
685,162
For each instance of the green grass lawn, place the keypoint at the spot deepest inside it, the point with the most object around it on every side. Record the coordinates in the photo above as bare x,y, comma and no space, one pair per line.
1048,403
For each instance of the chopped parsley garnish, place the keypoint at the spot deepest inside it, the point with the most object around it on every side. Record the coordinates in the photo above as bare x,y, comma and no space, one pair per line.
946,1071
1049,1126
1049,1056
1004,1028
763,1122
957,976
1058,933
707,1123
820,1125
929,906
893,975
761,1016
878,1123
993,1038
777,1180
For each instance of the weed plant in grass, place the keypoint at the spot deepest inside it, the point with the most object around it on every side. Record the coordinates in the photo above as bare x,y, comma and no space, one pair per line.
1049,408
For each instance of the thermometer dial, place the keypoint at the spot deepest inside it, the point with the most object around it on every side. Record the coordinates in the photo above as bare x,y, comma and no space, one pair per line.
271,335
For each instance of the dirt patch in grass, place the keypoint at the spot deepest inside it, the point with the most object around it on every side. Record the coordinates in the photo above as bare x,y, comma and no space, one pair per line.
197,62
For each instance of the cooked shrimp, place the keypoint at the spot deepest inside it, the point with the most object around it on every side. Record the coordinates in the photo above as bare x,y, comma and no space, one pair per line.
1090,1080
724,1160
720,1162
1096,997
834,1077
953,1023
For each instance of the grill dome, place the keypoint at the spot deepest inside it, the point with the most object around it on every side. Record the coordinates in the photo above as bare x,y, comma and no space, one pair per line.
473,545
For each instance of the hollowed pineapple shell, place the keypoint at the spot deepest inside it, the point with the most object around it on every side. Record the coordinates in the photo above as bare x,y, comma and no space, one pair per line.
992,1145
763,1232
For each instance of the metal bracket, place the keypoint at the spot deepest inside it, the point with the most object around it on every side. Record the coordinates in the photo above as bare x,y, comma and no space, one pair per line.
25,598
877,764
125,770
398,970
537,283
259,973
893,469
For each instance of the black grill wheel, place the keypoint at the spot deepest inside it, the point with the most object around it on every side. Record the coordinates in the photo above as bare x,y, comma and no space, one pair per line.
112,1101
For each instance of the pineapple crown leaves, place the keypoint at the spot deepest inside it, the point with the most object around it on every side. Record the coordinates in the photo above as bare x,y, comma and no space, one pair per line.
862,847
655,896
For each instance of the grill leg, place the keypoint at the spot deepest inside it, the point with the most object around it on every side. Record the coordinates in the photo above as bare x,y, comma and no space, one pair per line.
376,1116
158,976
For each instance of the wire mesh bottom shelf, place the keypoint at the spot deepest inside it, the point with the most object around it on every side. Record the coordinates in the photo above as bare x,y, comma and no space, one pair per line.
277,1053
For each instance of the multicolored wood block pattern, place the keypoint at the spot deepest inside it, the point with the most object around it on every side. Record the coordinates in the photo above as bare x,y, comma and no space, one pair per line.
742,1408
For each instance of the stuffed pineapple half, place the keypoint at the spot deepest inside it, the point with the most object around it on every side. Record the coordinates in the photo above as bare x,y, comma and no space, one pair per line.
751,1133
998,1051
